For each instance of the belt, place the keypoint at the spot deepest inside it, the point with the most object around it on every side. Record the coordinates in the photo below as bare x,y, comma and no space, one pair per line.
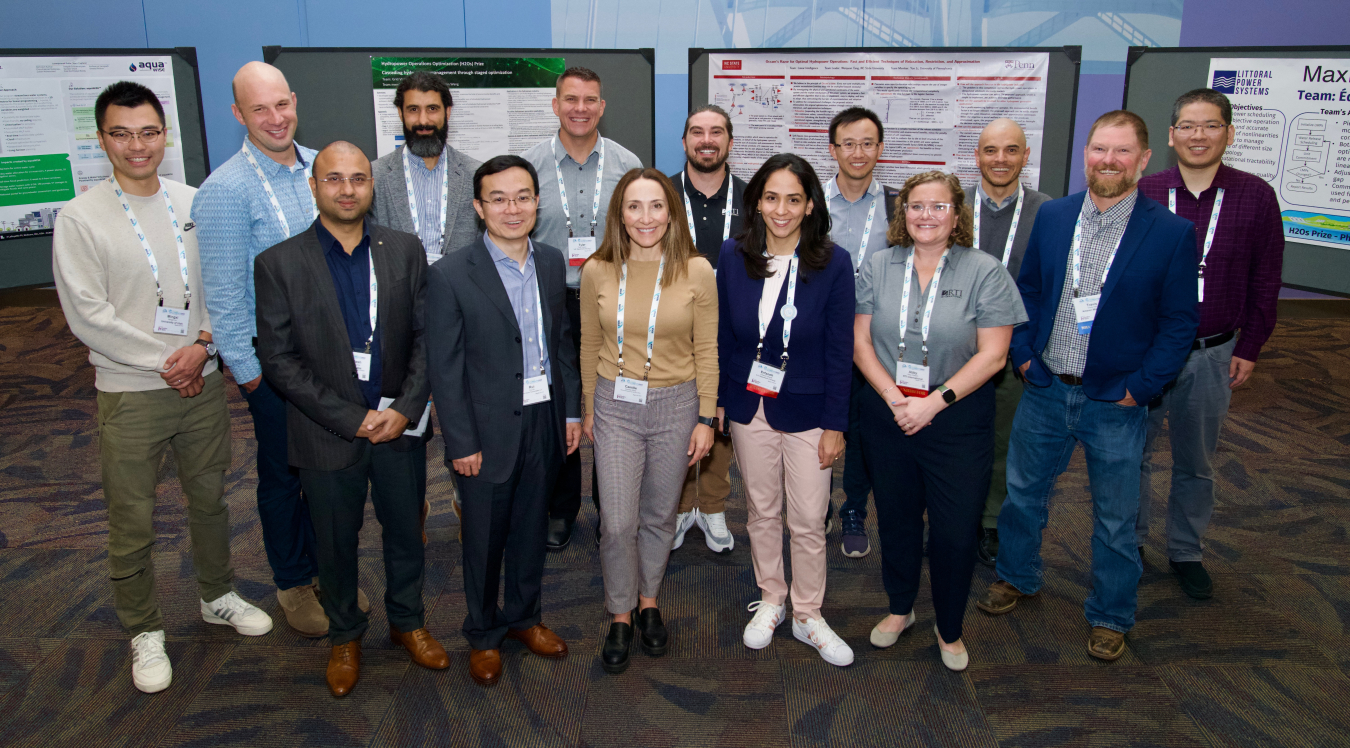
574,292
1070,380
1202,343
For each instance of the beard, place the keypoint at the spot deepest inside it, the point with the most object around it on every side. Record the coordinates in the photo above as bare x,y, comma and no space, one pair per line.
426,146
718,162
1109,187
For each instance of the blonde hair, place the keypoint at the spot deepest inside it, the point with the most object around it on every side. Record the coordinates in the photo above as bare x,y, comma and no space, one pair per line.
677,246
963,230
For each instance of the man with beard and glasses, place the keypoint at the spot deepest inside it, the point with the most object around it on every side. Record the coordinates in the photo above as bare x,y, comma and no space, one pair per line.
713,200
1241,242
426,187
1108,282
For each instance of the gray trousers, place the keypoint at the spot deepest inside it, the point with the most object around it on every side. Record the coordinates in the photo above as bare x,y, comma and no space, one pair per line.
1195,407
641,457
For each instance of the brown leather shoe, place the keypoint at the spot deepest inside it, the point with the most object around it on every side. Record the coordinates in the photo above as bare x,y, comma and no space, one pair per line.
485,666
1106,644
424,649
344,667
540,640
1000,598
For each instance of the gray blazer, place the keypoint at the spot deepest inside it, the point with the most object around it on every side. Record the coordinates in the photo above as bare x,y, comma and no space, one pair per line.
475,361
307,357
390,207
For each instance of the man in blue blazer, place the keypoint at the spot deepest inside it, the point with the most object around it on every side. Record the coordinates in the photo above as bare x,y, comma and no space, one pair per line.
1109,284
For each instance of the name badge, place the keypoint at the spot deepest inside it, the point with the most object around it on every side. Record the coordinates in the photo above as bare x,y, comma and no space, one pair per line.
912,379
765,380
536,390
1084,311
421,426
630,390
362,365
170,321
1202,288
579,248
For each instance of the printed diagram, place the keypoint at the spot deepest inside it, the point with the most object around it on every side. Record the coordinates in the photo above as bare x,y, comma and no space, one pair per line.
1310,151
760,97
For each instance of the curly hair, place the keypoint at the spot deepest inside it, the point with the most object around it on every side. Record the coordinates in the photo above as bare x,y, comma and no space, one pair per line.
963,231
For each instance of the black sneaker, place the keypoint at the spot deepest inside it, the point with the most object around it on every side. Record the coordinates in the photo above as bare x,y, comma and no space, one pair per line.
987,548
652,631
614,652
853,540
1194,579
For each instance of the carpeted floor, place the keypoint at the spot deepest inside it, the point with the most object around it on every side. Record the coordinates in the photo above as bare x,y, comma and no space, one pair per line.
1263,663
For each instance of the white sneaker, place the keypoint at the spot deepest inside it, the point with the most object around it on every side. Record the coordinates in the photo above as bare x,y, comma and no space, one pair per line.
759,632
715,532
231,610
150,668
683,521
818,634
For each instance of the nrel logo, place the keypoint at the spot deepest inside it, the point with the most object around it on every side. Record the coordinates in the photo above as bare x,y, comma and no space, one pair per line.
1224,81
731,64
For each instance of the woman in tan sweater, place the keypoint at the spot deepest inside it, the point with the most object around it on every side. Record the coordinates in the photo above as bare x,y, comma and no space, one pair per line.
649,378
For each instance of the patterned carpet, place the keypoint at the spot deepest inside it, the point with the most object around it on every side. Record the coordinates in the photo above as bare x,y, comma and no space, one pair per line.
1263,663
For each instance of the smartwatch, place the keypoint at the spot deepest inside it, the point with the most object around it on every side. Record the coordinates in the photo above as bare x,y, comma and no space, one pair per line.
948,394
709,422
208,345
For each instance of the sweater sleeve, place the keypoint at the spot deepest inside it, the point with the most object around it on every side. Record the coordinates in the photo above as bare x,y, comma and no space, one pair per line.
704,284
590,335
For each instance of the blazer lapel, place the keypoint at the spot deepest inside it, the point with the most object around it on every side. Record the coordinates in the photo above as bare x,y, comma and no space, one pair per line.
483,272
400,192
1141,220
384,274
324,292
1062,265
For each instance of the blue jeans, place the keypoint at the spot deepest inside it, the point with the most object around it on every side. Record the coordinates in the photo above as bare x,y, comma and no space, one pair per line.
283,512
1049,421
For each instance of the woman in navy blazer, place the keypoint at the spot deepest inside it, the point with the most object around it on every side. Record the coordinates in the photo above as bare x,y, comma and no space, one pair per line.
787,413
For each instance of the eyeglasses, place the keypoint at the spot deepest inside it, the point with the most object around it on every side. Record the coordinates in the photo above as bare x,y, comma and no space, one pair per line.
149,135
937,209
849,146
1209,128
500,203
355,181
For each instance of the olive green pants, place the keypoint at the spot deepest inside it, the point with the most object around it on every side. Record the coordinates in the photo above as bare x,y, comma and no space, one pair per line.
1007,394
134,430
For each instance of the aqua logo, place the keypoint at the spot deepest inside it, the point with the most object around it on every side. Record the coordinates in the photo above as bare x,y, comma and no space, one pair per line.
132,66
1224,81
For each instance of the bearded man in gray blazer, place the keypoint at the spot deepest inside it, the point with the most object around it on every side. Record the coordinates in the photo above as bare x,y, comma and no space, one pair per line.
425,187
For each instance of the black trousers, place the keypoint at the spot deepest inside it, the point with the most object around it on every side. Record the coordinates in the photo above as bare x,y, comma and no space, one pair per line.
565,501
509,516
337,504
943,469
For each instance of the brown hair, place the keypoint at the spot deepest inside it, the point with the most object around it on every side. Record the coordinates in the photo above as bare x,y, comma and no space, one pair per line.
677,246
963,230
1122,118
580,73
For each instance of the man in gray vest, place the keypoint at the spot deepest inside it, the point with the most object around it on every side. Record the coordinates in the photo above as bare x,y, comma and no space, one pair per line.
1005,211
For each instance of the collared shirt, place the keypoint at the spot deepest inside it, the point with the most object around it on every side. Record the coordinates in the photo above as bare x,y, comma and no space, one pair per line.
351,280
522,289
1066,351
988,201
847,221
426,184
707,209
995,223
1242,272
235,222
579,181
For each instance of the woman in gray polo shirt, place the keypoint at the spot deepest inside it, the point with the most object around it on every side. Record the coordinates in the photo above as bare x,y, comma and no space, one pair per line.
934,319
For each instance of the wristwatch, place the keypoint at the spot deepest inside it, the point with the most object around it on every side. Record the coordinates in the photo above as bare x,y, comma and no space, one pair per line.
709,422
208,345
948,395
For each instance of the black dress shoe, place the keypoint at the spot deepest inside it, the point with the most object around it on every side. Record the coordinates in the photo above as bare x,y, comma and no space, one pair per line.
614,652
653,632
559,534
987,549
1194,579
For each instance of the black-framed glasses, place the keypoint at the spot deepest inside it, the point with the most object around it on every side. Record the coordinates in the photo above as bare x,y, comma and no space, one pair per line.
849,146
149,135
1208,128
501,202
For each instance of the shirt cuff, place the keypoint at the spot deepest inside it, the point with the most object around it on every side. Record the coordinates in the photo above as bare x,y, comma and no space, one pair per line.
574,420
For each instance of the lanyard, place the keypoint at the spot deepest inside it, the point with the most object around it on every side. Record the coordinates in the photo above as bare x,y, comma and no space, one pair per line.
789,313
928,303
595,199
1075,250
1213,222
539,320
726,212
145,244
1012,230
651,318
412,199
832,189
374,297
272,196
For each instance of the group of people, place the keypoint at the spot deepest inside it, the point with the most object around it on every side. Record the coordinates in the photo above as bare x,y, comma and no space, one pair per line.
950,357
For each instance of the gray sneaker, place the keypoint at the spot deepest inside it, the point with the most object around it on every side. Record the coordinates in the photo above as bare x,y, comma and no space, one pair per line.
715,532
855,543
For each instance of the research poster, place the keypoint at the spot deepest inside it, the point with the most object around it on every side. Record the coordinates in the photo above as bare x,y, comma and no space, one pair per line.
1292,128
49,150
501,104
932,105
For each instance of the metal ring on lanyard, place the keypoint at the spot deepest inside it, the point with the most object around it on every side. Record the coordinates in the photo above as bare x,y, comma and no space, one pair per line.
145,243
412,198
1213,223
788,304
599,183
651,318
833,184
928,303
272,196
1012,230
1076,252
689,209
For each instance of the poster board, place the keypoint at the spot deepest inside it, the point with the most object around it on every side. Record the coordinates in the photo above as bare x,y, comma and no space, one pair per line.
1292,132
932,102
49,150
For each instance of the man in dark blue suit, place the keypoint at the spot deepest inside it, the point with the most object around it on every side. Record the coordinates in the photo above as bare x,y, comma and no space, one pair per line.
1109,285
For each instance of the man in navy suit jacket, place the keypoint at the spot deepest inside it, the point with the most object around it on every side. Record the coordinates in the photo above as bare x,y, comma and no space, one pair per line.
1109,285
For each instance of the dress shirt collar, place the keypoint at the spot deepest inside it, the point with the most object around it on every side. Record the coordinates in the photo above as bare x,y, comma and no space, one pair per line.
500,258
330,243
872,190
417,161
560,153
1116,214
984,198
265,161
1222,178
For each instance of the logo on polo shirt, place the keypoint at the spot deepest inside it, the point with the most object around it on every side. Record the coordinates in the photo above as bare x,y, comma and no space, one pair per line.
951,293
1224,81
731,64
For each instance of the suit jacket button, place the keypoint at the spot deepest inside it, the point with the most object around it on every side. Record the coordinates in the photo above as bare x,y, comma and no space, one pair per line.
517,338
517,412
518,375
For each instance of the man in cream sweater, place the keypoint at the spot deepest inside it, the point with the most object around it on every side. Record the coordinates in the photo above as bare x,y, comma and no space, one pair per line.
125,260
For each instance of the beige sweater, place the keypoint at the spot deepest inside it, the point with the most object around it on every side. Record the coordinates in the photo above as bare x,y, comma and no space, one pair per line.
108,292
686,329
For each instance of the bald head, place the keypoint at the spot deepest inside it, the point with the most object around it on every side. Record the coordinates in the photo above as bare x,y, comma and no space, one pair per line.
1001,154
1003,130
255,78
264,104
341,152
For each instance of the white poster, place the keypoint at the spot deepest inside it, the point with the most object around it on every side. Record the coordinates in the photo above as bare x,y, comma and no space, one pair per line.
1292,122
49,150
933,106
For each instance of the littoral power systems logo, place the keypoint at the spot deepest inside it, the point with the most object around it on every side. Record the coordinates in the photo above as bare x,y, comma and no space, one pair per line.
1224,81
731,64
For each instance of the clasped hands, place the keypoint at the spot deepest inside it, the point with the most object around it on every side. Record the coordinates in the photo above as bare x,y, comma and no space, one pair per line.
912,414
183,370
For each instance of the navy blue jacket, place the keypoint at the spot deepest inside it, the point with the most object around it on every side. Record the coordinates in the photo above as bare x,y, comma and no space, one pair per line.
820,368
1149,310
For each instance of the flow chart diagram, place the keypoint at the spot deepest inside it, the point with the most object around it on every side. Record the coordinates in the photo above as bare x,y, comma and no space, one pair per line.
1311,151
768,97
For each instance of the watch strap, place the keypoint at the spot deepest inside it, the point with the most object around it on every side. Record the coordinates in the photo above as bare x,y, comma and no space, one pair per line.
709,422
948,394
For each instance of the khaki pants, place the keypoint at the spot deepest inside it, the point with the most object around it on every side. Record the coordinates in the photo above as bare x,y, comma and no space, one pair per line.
708,484
134,430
